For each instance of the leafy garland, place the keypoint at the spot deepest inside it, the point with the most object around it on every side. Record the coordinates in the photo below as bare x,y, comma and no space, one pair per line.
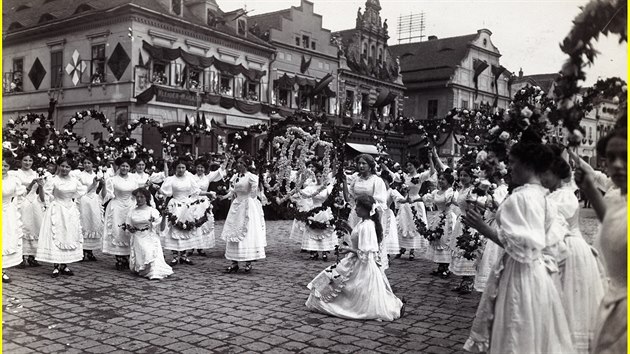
188,225
421,227
132,229
436,233
469,242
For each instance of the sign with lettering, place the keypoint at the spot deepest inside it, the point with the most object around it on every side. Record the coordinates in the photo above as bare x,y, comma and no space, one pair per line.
241,121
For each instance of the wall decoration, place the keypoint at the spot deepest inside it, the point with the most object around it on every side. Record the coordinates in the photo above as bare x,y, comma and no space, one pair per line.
76,68
118,61
37,73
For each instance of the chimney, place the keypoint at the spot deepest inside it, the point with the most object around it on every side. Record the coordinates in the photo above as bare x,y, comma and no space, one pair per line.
432,38
520,73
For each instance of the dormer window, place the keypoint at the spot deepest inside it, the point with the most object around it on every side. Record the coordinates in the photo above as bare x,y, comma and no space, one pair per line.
83,8
46,17
14,26
176,7
242,27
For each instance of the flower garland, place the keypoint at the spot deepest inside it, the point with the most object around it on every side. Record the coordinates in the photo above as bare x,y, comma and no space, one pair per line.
188,225
436,233
468,243
132,229
421,227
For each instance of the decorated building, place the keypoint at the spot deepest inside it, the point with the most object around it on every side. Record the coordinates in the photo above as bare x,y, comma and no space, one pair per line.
544,81
175,61
370,89
440,74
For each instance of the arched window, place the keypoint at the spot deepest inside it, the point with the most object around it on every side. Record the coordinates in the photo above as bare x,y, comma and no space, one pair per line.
380,55
365,52
373,52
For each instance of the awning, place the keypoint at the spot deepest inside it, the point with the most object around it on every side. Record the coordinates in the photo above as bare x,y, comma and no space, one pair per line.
384,98
365,149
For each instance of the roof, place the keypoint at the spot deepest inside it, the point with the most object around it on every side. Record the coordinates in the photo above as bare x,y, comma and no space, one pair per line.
270,20
433,60
544,81
30,12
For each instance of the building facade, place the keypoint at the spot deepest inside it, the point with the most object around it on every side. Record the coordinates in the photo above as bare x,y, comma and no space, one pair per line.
162,59
440,74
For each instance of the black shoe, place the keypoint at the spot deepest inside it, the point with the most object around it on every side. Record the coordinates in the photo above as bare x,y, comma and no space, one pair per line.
232,269
66,271
32,261
185,260
90,257
412,256
55,273
22,265
314,256
324,257
5,278
174,261
248,267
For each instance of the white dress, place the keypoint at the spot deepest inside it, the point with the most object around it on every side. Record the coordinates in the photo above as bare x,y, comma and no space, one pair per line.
460,265
207,229
244,229
121,201
31,209
184,191
60,236
491,251
611,328
146,256
91,208
408,235
356,288
521,310
12,229
582,283
390,244
319,239
440,251
372,186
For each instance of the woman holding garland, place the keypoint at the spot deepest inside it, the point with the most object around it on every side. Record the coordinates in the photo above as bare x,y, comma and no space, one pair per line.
61,238
118,196
244,229
611,329
441,227
365,182
520,287
203,179
356,288
317,240
12,232
91,207
466,198
178,235
582,287
31,208
146,257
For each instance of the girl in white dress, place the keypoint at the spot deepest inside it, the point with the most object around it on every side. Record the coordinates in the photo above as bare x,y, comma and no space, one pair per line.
146,257
183,190
61,238
244,229
365,182
521,310
118,196
443,199
582,283
611,327
31,208
390,244
313,239
91,208
356,288
12,229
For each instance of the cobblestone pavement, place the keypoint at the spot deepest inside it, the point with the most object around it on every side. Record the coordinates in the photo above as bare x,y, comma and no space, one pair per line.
200,309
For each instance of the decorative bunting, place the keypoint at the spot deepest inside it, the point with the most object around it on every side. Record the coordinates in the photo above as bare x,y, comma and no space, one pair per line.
76,68
478,66
37,73
305,64
118,61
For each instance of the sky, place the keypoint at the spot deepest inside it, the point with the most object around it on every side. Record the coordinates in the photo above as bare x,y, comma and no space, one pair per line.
527,33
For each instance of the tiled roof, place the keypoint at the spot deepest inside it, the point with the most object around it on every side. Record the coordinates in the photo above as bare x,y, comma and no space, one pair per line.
433,60
65,9
544,81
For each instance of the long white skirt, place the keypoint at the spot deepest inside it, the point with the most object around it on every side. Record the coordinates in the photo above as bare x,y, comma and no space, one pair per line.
146,256
91,208
320,239
12,233
60,236
116,241
354,289
32,211
408,235
244,230
460,265
492,253
582,290
207,230
176,239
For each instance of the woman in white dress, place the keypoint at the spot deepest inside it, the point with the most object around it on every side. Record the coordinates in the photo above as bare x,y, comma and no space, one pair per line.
443,199
12,229
582,284
244,229
356,288
390,244
317,240
31,208
521,310
611,327
183,190
365,182
118,196
91,208
146,257
203,179
61,239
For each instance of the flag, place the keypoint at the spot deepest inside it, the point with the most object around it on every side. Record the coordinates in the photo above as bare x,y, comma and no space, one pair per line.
305,64
478,66
187,123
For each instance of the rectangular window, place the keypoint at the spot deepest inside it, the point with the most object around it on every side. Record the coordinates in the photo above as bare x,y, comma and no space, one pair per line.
176,7
289,57
56,69
313,46
159,73
250,91
226,85
364,105
476,105
283,97
327,66
17,82
306,41
432,109
97,65
349,104
464,104
281,55
194,79
297,41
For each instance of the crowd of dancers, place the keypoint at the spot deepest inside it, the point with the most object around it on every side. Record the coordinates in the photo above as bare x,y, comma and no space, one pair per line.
545,289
